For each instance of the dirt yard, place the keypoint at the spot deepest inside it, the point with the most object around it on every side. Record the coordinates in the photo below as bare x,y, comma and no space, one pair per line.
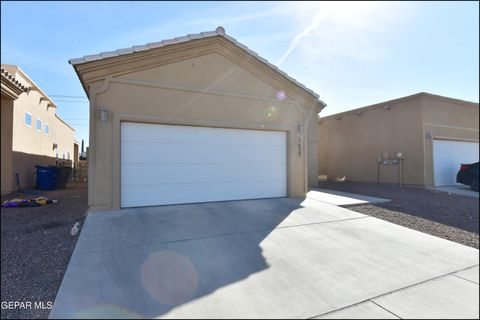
36,246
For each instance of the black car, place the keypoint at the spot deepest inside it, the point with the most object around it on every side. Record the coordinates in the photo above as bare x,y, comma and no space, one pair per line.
468,175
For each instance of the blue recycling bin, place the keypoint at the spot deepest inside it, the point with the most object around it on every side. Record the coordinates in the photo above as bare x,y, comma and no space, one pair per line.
46,177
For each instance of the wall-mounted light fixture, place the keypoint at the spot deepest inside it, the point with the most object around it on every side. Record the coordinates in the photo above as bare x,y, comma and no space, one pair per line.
387,107
300,128
429,135
103,114
55,146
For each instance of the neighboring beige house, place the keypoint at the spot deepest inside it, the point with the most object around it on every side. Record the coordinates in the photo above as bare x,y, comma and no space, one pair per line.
32,133
434,135
194,119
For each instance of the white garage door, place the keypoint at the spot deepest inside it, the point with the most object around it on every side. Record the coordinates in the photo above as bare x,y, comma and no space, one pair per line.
448,155
163,164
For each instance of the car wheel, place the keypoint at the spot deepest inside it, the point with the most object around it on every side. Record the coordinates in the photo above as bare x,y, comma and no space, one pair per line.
474,185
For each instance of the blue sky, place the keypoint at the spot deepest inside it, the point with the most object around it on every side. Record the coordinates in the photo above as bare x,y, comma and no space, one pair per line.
352,54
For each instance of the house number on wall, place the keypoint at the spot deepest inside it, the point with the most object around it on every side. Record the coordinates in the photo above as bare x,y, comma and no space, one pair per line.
299,147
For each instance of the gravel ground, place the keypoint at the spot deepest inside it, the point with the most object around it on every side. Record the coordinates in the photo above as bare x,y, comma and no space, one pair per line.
452,217
36,246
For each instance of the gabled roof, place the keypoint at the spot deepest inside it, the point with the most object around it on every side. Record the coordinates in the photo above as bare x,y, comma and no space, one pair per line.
13,69
11,86
220,31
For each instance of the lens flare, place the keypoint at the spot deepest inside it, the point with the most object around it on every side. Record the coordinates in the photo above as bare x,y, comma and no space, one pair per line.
281,95
107,311
169,278
271,112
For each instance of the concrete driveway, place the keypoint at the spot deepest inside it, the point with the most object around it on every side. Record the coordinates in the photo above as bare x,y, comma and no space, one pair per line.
270,258
460,189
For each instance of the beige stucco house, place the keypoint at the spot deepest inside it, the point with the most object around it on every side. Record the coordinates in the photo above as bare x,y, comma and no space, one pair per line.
32,132
195,119
433,134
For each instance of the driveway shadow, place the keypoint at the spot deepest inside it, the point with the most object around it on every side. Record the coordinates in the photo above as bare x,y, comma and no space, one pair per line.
257,258
143,262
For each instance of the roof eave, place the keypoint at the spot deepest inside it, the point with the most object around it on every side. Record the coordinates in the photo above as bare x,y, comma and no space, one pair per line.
64,122
191,37
10,90
36,87
10,86
79,78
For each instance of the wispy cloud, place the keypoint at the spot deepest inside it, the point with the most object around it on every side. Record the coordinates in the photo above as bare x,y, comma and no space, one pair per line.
348,29
204,20
316,21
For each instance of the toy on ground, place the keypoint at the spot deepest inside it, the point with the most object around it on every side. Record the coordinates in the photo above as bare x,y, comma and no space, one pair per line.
34,202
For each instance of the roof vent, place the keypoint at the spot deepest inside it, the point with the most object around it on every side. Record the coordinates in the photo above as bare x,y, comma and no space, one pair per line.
220,31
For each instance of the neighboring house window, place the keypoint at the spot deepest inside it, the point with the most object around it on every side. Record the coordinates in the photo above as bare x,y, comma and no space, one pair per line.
38,125
28,119
47,128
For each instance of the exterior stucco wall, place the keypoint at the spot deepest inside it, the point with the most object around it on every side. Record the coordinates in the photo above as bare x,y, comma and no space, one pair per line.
6,143
64,136
350,146
447,120
208,90
28,139
31,147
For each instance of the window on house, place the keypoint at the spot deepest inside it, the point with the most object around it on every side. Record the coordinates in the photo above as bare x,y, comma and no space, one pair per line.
47,128
28,119
38,125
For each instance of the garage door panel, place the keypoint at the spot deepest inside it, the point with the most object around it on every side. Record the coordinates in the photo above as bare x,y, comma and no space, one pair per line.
200,192
138,132
195,153
163,164
448,155
161,173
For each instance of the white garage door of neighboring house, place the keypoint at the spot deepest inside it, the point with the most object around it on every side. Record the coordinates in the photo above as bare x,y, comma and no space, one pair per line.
448,155
166,164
